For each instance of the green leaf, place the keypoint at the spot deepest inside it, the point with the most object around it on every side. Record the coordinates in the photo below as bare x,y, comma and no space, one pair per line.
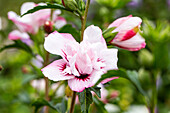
96,90
69,29
62,107
108,30
85,99
40,103
48,6
99,105
132,76
18,44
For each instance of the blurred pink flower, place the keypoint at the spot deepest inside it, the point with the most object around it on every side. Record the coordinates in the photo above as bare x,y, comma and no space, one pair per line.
82,64
17,35
30,22
128,36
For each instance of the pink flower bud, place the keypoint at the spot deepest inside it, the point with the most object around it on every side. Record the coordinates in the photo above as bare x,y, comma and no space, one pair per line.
128,36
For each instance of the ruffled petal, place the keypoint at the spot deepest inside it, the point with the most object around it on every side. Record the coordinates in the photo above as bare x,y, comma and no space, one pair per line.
110,59
54,71
93,34
79,85
56,43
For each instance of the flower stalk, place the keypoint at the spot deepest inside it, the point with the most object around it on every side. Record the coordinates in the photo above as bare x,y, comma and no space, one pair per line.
46,82
83,19
73,102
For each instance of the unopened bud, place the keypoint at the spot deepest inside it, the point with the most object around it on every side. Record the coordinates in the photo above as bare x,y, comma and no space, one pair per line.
68,91
1,68
48,27
81,5
70,4
25,69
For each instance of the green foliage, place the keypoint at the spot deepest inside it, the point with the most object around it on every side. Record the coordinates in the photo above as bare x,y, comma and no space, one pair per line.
20,45
85,98
99,105
48,6
69,29
132,76
113,3
96,90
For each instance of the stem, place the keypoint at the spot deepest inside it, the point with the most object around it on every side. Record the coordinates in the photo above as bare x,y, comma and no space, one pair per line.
153,108
83,19
73,102
46,82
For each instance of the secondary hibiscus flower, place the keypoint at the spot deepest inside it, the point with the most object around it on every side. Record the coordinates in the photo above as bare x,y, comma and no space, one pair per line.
82,64
128,36
31,22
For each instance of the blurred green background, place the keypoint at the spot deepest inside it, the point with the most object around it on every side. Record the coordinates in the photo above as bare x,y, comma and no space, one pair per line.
151,63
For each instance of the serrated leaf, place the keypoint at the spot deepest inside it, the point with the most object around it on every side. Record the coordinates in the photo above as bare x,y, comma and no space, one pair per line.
48,6
132,76
96,90
40,103
69,29
85,99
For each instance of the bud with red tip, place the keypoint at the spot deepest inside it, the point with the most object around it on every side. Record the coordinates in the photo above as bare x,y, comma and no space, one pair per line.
48,27
128,36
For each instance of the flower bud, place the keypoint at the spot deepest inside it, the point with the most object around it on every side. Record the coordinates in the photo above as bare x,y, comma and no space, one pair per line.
1,68
48,27
81,5
128,36
70,4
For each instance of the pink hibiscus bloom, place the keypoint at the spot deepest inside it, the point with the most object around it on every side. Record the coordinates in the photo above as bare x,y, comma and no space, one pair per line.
17,35
128,36
82,64
30,22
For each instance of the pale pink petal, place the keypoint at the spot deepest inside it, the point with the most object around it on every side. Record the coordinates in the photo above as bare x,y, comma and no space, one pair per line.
55,43
27,6
108,79
119,21
93,34
136,43
54,71
83,62
110,59
24,23
79,85
59,22
15,35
